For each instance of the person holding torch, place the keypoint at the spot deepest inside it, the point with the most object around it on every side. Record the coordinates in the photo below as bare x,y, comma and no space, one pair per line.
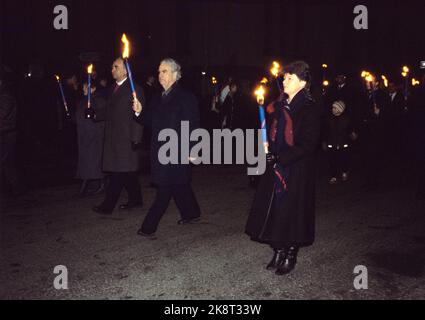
121,151
283,211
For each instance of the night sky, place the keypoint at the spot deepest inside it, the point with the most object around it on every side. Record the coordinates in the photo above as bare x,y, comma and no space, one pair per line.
211,34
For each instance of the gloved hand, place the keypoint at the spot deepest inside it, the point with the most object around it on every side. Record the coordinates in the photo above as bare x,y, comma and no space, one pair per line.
271,159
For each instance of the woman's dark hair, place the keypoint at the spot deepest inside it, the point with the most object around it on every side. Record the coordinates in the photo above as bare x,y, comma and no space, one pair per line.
301,69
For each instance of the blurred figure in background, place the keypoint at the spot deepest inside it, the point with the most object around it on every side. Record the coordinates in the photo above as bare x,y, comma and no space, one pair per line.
8,134
90,142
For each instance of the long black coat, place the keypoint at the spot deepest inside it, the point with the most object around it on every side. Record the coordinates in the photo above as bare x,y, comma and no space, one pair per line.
292,219
167,113
121,132
90,139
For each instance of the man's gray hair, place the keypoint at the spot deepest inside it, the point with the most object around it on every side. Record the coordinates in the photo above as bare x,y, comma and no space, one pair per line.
175,67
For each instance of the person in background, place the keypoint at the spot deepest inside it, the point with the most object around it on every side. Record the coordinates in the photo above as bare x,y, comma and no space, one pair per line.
337,141
90,142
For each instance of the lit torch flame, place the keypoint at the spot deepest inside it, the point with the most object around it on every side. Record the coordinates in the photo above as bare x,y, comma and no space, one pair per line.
57,77
214,80
90,69
369,78
126,51
415,82
324,65
275,69
405,69
326,83
385,80
264,81
365,74
260,95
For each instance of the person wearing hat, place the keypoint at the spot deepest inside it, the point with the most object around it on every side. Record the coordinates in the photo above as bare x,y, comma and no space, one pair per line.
282,214
337,140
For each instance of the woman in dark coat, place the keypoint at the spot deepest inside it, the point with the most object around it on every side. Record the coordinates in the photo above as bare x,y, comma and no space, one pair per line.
283,211
90,141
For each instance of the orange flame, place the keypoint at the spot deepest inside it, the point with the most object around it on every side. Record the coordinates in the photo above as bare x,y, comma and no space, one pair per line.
90,69
275,69
369,78
126,51
259,92
365,74
57,77
385,80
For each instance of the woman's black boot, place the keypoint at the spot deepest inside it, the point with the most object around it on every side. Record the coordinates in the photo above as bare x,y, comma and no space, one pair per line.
278,258
288,264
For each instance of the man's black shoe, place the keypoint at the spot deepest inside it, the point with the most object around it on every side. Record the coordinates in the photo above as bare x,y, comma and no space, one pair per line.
190,220
150,236
128,206
101,210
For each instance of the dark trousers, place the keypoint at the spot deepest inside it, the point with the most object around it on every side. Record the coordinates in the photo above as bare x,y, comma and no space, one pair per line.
184,198
338,161
118,181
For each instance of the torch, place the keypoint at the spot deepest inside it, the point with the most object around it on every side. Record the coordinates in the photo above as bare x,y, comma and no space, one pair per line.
384,78
325,82
125,55
215,97
260,99
370,82
405,75
89,113
67,114
275,72
214,82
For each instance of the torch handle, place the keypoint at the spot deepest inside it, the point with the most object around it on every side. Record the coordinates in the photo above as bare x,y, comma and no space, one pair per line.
88,91
278,84
63,98
130,77
263,128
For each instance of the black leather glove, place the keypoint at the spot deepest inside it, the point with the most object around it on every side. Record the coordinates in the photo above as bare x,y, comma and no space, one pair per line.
271,159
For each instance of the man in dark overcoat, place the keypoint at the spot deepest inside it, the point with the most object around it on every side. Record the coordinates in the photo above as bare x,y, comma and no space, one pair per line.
283,212
121,150
167,111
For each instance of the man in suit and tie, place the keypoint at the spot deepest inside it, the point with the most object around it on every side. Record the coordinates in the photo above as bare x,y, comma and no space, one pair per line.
121,152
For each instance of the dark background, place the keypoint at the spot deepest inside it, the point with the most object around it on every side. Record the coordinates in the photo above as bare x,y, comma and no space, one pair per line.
238,38
215,34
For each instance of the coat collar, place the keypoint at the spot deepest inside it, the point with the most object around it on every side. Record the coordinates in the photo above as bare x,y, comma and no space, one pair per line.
301,99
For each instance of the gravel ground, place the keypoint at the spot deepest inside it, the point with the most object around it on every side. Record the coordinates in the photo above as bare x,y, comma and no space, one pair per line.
382,229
